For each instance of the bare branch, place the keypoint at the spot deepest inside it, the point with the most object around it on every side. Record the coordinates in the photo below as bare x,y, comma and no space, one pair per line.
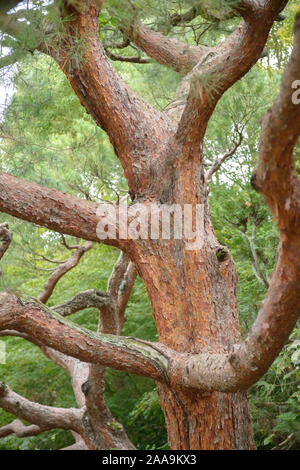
85,299
275,176
117,275
225,65
28,316
218,163
125,291
80,445
20,430
5,238
119,288
66,245
101,90
124,58
50,208
165,50
258,272
62,269
276,179
45,417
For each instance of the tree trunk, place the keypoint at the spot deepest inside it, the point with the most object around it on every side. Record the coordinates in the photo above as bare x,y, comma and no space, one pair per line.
194,300
193,296
193,293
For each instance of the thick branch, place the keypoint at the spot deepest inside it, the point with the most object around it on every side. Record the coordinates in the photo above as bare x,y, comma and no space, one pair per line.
224,66
117,275
189,15
45,417
276,180
129,354
168,51
50,208
125,291
119,288
165,50
275,176
211,13
112,103
133,126
203,9
20,430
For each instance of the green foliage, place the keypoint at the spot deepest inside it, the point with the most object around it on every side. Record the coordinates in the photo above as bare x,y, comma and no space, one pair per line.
275,400
147,410
30,374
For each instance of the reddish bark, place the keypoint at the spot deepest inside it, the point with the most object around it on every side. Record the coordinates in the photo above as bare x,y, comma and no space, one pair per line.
202,367
5,237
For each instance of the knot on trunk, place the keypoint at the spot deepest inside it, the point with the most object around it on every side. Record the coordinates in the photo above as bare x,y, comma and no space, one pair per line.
222,254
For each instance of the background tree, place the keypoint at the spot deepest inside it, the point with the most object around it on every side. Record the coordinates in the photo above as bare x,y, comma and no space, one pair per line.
210,292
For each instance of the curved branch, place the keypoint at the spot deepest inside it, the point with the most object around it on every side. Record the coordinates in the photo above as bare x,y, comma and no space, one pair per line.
275,176
5,238
165,50
168,51
27,315
276,179
88,386
45,417
219,162
125,58
79,445
85,299
62,269
20,430
225,65
189,15
114,106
